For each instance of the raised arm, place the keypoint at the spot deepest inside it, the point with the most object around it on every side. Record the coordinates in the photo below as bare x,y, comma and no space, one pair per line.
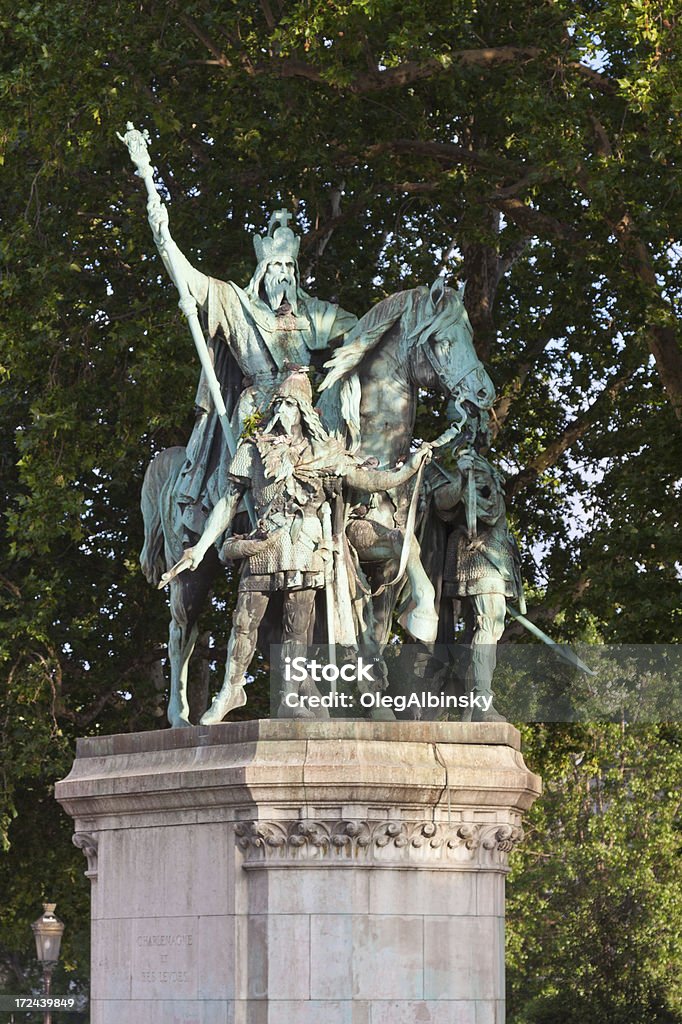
175,262
179,268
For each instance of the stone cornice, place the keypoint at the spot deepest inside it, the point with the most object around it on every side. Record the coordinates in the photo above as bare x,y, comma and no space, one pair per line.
175,775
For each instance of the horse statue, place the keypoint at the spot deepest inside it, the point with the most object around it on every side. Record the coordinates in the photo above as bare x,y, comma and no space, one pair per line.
413,340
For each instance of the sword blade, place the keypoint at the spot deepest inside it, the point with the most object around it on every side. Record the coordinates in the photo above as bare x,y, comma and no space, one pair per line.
561,650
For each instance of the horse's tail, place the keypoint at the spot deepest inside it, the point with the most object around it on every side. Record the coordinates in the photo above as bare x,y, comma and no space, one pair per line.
162,472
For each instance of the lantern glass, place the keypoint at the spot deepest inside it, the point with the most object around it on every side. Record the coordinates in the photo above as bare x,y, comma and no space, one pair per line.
48,931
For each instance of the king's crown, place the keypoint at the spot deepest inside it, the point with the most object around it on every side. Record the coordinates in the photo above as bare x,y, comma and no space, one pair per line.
280,243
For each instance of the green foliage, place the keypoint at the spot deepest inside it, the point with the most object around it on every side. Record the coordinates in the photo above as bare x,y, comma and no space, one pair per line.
531,150
595,894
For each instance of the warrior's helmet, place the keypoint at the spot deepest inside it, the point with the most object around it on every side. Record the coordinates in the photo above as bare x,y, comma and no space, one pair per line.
297,386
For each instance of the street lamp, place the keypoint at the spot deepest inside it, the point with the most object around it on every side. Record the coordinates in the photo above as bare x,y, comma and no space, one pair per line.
48,931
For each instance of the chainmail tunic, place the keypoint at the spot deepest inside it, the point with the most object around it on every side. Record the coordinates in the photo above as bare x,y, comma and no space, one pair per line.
289,509
486,565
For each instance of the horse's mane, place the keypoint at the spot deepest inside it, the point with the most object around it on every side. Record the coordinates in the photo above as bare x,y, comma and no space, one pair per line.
428,310
366,334
431,309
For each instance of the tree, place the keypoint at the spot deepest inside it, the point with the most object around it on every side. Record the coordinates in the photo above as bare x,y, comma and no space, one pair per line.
596,889
529,149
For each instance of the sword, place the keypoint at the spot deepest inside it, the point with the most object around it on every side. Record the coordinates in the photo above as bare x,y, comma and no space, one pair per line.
471,504
137,142
561,650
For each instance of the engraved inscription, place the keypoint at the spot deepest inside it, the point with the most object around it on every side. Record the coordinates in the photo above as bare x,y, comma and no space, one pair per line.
164,957
175,977
165,940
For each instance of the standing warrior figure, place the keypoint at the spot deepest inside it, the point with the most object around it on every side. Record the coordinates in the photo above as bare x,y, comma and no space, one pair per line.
482,565
290,469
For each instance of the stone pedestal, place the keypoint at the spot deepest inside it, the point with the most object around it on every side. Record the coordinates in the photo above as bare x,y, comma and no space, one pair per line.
281,872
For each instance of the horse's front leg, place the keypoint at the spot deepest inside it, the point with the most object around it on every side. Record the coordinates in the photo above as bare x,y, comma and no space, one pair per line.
374,543
378,548
188,593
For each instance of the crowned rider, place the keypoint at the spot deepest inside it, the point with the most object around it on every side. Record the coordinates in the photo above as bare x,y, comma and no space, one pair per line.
265,329
290,469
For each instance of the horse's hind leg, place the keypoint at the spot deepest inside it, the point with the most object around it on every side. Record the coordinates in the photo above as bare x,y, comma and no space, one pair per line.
181,641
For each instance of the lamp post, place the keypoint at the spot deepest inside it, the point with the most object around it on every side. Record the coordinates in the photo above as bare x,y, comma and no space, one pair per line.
48,931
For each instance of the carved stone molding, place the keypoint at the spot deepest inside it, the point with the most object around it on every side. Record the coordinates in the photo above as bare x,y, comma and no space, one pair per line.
87,842
425,843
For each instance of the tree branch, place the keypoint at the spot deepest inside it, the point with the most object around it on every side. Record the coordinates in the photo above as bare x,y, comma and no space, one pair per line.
532,220
511,255
533,177
416,187
313,237
406,73
595,78
514,386
410,72
270,19
445,152
375,79
328,228
574,431
662,328
663,337
219,57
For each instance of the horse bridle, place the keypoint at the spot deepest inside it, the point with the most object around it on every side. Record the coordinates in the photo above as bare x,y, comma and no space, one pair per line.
449,385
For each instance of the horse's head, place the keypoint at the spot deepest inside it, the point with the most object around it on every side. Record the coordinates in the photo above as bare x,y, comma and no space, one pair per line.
443,353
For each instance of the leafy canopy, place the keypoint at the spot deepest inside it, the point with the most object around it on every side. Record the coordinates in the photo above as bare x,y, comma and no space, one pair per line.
529,149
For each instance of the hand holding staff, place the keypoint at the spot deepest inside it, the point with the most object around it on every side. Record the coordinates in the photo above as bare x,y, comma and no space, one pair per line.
137,141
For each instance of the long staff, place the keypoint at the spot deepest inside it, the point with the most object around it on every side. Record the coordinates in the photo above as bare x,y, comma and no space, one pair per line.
136,142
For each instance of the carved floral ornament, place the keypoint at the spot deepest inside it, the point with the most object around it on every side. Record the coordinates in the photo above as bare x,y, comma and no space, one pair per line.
380,841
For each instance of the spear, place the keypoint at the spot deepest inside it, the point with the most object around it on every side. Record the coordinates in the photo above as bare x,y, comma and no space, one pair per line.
137,143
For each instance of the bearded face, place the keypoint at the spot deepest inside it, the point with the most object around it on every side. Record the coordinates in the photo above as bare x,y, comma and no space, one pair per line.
279,282
288,414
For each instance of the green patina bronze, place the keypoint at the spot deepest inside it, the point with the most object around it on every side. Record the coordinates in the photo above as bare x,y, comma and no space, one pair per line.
338,498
